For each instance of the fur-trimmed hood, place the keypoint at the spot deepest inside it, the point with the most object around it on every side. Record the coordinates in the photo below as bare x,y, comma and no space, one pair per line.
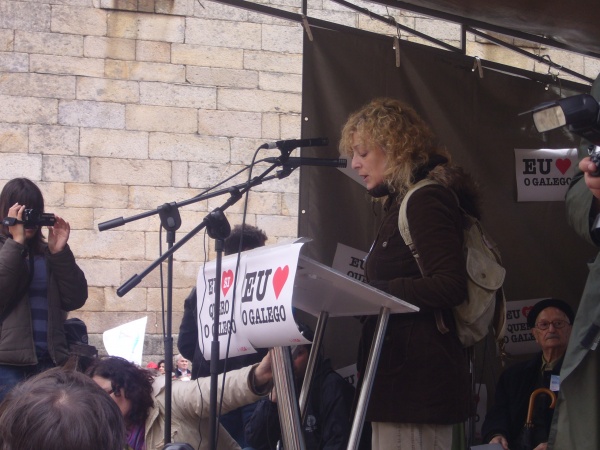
455,178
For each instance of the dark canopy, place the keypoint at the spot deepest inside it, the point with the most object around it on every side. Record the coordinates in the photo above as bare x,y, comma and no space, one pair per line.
569,26
575,24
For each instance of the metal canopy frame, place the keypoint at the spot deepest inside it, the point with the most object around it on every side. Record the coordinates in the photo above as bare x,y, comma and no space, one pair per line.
475,27
471,23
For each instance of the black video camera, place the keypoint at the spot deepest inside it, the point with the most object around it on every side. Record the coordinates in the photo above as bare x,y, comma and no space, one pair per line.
33,218
594,152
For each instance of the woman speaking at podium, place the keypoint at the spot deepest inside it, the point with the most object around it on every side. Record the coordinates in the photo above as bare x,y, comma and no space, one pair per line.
421,386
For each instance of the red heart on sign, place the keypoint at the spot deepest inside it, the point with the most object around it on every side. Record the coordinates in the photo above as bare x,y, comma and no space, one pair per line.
563,165
526,310
279,279
226,281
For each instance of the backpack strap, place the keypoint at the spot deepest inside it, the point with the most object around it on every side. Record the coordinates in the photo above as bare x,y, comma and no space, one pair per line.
405,233
403,220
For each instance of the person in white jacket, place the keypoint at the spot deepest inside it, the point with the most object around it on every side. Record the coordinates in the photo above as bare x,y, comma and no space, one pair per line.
141,398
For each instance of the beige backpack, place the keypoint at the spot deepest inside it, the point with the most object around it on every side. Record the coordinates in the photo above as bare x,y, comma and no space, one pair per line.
485,305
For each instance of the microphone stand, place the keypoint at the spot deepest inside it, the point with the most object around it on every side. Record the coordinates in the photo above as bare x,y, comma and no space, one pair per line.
218,228
171,221
215,225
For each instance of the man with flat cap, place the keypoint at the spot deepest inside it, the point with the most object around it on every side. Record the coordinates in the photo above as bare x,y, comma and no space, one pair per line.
550,322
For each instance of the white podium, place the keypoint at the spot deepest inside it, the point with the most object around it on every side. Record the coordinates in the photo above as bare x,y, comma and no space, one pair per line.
323,293
278,279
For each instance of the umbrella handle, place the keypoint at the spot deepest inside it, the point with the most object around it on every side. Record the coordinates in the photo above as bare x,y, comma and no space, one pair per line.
532,397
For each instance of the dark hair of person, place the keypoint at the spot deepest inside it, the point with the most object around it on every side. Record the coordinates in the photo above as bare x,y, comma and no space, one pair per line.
60,410
25,192
250,236
135,381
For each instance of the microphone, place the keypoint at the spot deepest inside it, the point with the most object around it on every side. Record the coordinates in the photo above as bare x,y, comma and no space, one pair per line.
300,161
291,144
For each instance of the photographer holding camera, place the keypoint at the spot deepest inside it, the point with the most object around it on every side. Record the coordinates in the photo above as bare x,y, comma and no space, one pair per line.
39,282
577,414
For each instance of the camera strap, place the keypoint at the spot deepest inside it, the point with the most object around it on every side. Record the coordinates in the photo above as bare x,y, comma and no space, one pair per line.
10,221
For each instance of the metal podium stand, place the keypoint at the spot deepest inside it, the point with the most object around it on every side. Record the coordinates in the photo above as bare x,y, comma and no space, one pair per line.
323,293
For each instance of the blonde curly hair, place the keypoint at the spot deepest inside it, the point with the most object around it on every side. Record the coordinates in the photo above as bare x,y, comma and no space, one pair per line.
399,131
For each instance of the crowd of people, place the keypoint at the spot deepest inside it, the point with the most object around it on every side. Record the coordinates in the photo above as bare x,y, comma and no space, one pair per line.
422,384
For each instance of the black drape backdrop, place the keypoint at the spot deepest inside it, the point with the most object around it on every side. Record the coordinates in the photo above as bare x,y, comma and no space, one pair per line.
477,119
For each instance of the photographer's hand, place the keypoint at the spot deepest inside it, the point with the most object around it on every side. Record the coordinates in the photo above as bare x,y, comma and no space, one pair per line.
593,182
58,235
17,231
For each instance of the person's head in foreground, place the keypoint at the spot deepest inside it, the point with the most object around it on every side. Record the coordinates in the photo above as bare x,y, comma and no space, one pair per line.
250,237
60,410
129,386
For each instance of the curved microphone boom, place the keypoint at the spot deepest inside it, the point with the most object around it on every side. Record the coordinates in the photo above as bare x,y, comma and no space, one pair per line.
294,162
291,144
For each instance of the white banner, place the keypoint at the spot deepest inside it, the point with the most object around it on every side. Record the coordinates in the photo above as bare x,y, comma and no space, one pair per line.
544,174
519,339
127,340
229,292
350,261
256,307
349,373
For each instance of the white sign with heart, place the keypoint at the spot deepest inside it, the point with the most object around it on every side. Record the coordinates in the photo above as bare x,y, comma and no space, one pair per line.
255,306
543,175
